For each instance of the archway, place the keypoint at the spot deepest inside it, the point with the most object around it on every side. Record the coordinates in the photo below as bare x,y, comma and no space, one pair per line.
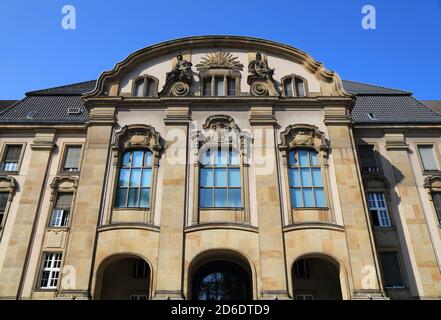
124,278
221,276
316,278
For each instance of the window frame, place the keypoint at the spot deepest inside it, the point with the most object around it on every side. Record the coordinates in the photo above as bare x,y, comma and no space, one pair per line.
211,80
436,208
400,266
386,208
312,187
295,94
61,167
51,270
227,167
69,211
376,154
435,155
9,186
150,167
147,79
20,160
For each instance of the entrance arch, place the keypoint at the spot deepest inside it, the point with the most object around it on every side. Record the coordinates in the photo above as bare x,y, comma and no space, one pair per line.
123,277
220,275
316,278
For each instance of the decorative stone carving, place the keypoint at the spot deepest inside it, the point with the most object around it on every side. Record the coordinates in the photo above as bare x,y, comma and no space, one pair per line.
8,184
64,183
219,60
138,136
303,135
433,183
178,80
260,78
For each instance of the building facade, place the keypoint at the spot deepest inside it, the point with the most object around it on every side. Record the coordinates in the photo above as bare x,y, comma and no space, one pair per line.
220,167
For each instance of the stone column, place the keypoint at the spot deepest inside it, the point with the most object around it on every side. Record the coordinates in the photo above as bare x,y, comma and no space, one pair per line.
171,239
412,221
18,248
79,253
272,258
366,282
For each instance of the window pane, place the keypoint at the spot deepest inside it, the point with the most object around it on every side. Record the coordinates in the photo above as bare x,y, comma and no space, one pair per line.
231,89
319,198
220,177
207,87
139,88
146,177
221,157
220,198
12,153
137,158
124,177
122,196
294,177
317,178
144,201
296,198
287,85
64,201
308,198
306,177
303,158
292,158
428,158
72,159
234,198
133,198
126,159
437,202
300,88
3,201
367,158
150,88
219,86
206,177
206,198
148,159
314,159
234,177
234,157
135,178
391,269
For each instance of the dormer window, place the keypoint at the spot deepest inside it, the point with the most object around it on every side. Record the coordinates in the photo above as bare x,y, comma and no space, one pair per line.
294,86
145,86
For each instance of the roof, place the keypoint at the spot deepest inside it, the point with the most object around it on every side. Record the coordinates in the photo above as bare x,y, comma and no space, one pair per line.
7,103
374,105
433,104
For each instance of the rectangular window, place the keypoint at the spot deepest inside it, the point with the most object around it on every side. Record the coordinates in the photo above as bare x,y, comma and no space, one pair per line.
305,180
11,158
207,86
61,211
303,297
392,273
300,87
378,209
368,160
3,202
428,158
231,86
220,182
287,86
72,159
219,86
436,196
50,270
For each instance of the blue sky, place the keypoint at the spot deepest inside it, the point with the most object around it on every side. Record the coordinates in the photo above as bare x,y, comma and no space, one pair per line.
403,52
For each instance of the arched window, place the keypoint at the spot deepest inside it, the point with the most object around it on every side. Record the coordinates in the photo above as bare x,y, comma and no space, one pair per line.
135,179
220,185
294,87
145,86
305,179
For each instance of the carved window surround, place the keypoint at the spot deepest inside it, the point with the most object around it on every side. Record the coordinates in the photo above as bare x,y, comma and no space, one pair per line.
220,131
305,136
7,185
136,136
62,184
